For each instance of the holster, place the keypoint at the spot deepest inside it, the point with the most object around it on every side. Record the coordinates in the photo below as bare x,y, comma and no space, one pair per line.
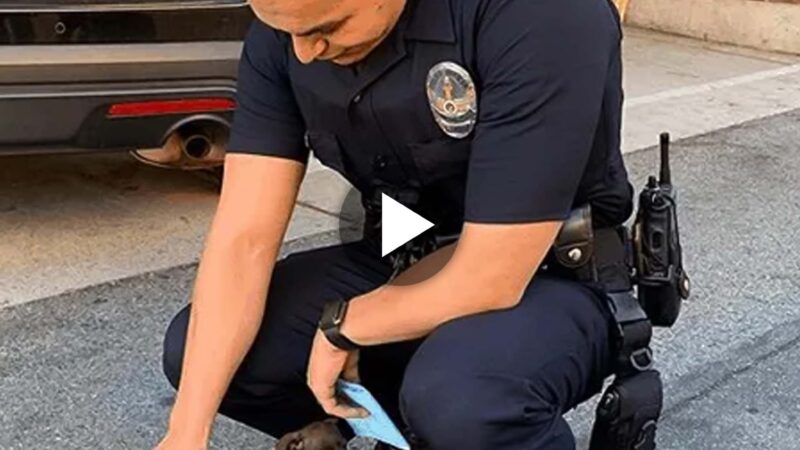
628,413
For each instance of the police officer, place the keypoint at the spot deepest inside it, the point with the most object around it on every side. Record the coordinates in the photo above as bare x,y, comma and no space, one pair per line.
492,118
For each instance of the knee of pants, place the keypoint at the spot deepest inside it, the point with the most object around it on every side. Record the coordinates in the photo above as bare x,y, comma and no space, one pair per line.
174,344
451,410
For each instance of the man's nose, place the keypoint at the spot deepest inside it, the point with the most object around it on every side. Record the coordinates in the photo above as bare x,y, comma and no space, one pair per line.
307,49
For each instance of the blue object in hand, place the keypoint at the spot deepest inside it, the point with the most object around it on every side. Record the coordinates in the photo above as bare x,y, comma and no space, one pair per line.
377,425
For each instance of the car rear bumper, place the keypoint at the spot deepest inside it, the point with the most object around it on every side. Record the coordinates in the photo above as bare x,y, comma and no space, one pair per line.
67,63
43,105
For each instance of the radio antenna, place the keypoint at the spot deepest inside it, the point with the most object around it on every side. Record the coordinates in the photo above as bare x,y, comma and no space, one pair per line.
665,171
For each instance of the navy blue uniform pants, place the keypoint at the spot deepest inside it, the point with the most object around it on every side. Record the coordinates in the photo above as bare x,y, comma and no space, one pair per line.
497,380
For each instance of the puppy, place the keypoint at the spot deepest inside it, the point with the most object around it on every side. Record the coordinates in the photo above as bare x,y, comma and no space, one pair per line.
324,435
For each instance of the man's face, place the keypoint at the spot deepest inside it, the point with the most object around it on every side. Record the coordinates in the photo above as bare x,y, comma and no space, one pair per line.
341,31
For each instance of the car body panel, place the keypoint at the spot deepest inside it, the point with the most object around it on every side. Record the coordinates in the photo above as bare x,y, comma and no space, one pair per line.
57,82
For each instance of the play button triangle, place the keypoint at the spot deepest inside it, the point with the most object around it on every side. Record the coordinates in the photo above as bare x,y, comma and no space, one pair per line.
399,224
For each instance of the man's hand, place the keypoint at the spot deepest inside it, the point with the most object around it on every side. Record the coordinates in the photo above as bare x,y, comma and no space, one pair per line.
175,442
325,366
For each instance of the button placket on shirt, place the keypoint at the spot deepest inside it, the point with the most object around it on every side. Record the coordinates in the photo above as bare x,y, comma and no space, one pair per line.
384,162
379,162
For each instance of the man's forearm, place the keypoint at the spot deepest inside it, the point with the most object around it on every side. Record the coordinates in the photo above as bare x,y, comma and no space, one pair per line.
398,313
227,308
229,297
489,270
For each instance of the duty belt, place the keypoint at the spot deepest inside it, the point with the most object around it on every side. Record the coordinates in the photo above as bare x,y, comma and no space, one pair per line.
602,258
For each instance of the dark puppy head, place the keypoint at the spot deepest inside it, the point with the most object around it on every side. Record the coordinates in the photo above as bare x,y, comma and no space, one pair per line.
322,435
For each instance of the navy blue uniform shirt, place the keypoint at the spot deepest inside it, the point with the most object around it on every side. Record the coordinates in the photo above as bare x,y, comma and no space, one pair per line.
547,137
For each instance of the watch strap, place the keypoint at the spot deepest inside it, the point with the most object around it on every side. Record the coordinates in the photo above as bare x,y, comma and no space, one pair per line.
339,340
333,314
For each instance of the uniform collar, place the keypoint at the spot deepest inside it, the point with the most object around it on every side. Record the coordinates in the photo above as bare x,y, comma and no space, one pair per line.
430,20
424,20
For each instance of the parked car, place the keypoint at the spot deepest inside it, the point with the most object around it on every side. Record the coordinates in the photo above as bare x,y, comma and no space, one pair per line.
153,77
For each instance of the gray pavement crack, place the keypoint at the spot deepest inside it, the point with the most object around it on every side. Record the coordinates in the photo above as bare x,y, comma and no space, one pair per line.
740,365
325,211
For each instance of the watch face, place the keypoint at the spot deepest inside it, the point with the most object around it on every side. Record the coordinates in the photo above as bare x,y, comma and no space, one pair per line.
338,314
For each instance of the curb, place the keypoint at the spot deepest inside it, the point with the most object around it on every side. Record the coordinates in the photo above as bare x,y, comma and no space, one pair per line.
765,25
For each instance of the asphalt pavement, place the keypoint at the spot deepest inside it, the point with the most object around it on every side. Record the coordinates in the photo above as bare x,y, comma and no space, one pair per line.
82,370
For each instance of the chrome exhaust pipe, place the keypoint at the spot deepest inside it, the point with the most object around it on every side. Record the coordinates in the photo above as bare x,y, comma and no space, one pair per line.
198,144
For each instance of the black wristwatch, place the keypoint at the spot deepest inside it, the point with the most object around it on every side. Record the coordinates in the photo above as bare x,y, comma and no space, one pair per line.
330,323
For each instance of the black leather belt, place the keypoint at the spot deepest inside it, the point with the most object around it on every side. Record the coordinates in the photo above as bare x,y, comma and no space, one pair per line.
608,266
607,261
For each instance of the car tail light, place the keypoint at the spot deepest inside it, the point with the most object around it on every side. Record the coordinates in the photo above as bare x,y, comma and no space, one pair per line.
164,107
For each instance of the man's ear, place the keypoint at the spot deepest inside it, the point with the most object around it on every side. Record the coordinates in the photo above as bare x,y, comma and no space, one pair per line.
291,441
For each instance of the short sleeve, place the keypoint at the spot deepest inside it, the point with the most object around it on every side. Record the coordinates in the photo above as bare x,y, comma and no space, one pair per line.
267,120
542,66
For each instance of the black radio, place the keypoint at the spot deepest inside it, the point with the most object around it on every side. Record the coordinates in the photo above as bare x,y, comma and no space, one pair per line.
659,273
628,412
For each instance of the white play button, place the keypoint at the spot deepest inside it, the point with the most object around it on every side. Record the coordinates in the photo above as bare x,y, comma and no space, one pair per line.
399,224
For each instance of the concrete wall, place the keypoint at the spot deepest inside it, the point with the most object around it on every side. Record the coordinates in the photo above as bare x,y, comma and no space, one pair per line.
765,24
